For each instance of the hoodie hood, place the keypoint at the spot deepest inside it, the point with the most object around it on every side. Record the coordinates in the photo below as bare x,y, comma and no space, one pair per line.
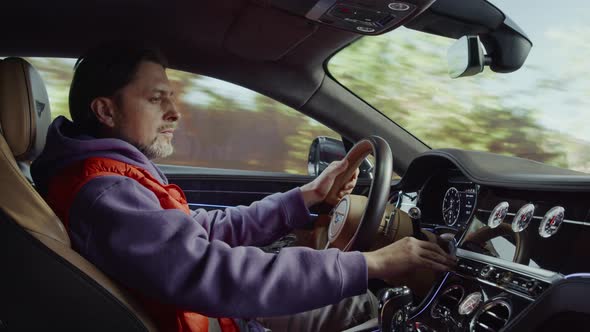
65,146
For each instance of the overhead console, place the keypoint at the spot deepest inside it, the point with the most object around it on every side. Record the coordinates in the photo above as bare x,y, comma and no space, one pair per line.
369,17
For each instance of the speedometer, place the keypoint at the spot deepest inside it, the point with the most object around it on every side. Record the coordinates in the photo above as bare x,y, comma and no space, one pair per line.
451,206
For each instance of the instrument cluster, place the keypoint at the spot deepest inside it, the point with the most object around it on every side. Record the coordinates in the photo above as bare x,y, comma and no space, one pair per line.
448,200
458,203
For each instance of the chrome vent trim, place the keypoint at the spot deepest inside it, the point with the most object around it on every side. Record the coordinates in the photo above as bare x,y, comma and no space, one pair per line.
449,299
492,317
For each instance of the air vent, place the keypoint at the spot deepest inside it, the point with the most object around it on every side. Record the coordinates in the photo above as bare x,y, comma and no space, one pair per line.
448,301
492,317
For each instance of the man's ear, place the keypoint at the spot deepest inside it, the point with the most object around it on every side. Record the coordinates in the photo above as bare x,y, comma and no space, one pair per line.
104,110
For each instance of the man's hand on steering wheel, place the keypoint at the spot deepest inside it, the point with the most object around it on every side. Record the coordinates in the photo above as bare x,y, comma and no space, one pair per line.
355,222
317,190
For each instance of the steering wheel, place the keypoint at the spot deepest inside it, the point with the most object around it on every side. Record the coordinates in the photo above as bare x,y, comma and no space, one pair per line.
354,220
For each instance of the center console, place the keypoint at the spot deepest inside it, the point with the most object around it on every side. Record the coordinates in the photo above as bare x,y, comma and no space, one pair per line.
483,294
507,264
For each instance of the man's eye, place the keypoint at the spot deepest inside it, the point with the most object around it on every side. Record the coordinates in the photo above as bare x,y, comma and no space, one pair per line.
155,99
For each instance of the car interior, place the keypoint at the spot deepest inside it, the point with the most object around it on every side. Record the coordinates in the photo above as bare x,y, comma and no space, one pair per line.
280,48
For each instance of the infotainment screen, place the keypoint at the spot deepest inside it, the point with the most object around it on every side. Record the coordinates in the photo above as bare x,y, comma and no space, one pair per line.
499,242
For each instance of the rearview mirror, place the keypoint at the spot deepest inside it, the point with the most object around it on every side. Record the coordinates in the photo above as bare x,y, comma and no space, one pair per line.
324,150
466,57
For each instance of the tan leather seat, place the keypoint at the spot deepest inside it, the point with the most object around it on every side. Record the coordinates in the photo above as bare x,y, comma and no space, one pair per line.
44,284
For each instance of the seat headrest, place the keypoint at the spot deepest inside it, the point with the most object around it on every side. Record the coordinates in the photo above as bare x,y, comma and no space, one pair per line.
24,108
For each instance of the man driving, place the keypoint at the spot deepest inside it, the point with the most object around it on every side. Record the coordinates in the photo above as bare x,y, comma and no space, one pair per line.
185,266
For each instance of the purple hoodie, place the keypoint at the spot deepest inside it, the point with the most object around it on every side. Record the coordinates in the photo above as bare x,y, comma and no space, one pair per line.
205,262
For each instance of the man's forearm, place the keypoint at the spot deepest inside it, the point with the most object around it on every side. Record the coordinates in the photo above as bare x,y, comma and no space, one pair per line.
310,195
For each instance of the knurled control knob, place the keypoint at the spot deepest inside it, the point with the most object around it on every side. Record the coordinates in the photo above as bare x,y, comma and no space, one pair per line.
416,216
505,278
536,288
486,272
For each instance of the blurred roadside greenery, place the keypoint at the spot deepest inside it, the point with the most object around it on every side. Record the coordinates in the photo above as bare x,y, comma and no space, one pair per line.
402,74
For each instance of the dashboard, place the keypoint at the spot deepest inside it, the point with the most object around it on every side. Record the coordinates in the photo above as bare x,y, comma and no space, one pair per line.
520,240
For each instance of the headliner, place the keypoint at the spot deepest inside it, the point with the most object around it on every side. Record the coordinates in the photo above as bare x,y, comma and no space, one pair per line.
235,40
246,42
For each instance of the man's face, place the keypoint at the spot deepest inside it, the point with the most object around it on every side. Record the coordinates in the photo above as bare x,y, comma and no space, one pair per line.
146,115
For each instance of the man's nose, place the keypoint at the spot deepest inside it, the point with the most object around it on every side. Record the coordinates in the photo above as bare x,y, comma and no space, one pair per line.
172,114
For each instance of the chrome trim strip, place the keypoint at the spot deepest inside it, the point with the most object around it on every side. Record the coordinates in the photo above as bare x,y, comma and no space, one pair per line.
567,221
576,222
216,206
228,192
209,205
485,326
529,271
577,275
491,313
319,9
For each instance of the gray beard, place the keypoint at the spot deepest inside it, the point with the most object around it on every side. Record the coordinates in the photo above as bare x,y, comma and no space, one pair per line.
156,149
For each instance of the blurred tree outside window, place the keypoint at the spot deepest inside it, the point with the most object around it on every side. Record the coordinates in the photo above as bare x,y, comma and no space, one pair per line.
223,125
538,112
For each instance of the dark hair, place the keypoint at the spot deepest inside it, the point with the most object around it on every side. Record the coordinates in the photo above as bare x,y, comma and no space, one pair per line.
102,72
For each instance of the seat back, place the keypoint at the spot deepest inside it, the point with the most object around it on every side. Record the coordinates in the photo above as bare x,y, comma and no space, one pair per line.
44,284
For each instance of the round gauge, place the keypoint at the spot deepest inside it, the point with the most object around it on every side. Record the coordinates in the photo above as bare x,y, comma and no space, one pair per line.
498,214
451,206
551,221
523,217
470,303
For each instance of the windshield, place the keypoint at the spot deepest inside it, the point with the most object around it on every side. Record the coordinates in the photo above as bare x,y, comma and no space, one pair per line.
539,112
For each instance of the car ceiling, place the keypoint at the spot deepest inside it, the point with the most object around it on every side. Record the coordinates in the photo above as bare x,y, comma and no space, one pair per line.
235,40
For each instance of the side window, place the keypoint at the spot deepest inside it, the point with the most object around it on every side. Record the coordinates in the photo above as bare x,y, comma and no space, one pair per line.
228,126
223,125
